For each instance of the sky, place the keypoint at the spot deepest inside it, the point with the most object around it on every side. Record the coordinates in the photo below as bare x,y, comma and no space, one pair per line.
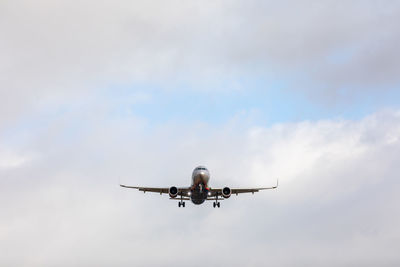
97,93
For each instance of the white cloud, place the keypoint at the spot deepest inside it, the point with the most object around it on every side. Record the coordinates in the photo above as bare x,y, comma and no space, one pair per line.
11,160
336,205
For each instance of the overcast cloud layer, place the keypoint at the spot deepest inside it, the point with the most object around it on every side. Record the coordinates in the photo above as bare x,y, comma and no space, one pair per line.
72,74
331,49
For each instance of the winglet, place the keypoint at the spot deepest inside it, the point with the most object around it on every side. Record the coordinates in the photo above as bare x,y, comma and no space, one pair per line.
277,183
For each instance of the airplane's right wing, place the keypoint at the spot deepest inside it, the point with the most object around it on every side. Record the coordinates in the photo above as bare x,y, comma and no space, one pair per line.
148,189
162,190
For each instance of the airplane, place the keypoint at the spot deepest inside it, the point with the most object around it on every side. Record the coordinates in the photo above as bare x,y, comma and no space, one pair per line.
199,191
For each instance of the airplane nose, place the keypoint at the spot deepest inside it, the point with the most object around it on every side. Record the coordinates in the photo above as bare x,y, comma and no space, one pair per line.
204,177
200,177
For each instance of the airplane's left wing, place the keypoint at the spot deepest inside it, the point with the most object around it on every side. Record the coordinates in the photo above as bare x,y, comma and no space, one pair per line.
251,190
236,191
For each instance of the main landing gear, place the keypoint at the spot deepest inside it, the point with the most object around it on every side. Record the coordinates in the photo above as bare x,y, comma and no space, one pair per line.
216,203
181,203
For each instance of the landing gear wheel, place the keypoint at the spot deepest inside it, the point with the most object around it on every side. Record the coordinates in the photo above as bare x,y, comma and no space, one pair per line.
216,203
181,203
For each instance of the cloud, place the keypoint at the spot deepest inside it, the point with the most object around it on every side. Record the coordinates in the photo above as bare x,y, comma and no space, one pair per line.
332,50
336,205
11,160
64,150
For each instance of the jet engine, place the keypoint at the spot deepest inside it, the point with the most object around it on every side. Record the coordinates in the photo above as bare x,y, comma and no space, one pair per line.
173,191
226,192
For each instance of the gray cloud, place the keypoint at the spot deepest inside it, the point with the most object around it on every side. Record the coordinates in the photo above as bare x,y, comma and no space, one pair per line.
56,50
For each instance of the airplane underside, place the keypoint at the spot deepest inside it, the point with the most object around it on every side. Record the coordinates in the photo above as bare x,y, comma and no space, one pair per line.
199,195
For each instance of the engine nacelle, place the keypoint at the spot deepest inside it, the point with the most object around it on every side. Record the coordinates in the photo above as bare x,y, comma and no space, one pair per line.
173,191
226,192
